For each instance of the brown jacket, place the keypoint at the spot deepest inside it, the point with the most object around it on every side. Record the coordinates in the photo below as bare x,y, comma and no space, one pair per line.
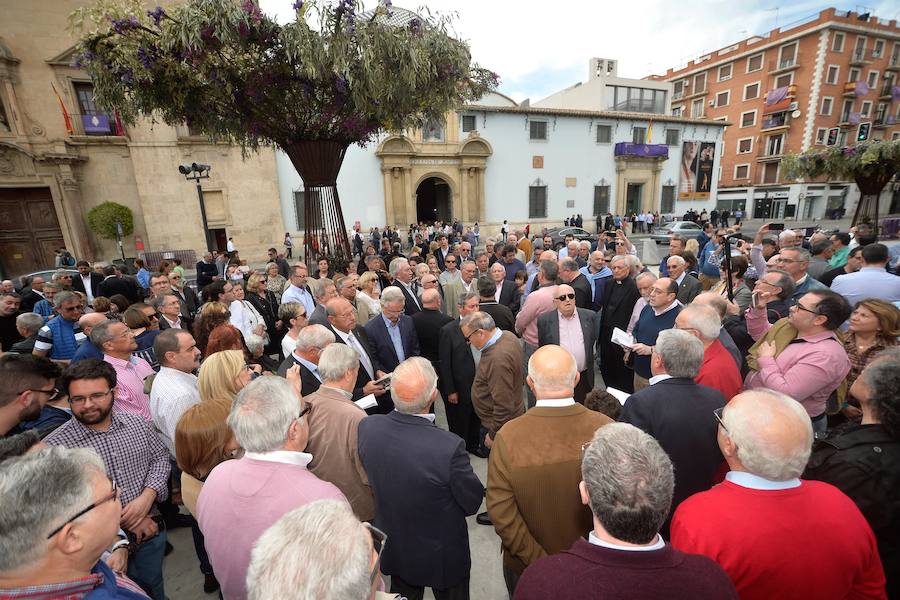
333,425
497,389
533,477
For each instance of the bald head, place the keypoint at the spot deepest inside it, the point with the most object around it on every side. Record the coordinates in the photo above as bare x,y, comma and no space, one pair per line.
552,372
564,300
768,434
413,386
87,322
431,299
713,300
548,255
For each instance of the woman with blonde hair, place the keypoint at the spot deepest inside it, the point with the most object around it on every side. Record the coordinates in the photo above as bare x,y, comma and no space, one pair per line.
202,441
693,245
276,282
874,326
222,376
211,316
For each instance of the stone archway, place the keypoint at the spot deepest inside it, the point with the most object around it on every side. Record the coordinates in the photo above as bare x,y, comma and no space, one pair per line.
434,200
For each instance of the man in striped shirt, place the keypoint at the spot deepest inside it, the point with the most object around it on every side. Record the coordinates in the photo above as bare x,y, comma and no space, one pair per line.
59,338
117,342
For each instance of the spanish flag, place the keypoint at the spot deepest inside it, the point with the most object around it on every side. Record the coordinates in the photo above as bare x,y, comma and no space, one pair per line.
69,129
650,133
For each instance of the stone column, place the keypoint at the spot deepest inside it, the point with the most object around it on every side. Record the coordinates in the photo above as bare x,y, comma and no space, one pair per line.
409,196
387,178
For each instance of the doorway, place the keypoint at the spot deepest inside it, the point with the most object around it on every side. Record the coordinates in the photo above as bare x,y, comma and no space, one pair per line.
31,233
633,198
433,201
219,239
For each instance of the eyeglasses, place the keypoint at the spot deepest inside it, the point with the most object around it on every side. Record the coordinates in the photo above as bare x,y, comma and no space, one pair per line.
174,276
379,541
564,297
718,415
52,393
112,496
305,410
469,337
95,397
799,306
654,290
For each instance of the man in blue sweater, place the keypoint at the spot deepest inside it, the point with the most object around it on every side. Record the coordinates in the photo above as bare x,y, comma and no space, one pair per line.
659,314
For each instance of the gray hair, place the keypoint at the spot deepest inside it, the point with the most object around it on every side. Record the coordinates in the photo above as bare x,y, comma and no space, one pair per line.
30,322
746,424
478,320
269,265
703,319
255,343
681,353
882,377
323,536
714,301
785,282
646,275
463,298
677,259
63,297
803,254
262,413
550,269
394,267
336,360
634,264
314,336
543,381
568,264
100,333
630,482
160,299
37,493
409,370
322,289
392,295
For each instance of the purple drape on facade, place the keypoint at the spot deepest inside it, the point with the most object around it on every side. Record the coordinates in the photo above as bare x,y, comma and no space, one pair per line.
653,150
776,95
862,88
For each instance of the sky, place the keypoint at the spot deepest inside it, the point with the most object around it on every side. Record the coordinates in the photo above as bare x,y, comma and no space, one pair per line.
540,47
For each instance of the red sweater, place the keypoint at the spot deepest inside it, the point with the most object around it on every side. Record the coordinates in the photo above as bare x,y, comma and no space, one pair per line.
800,543
719,371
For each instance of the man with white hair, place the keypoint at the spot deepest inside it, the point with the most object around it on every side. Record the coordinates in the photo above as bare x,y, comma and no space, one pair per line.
7,286
536,457
677,411
28,325
778,536
323,291
48,549
688,285
718,370
242,498
466,283
311,341
340,555
403,279
720,305
532,284
425,516
627,483
392,334
644,282
333,425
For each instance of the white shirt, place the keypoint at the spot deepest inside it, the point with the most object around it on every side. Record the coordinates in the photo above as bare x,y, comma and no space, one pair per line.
295,294
87,288
288,344
659,544
665,310
426,416
229,246
176,324
288,457
555,403
173,392
658,378
755,482
354,343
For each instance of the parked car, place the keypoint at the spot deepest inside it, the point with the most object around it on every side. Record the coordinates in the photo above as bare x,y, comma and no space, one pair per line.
684,229
558,234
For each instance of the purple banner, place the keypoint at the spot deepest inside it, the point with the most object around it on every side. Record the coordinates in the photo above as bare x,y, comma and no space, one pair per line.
628,149
862,88
95,123
895,93
854,118
776,95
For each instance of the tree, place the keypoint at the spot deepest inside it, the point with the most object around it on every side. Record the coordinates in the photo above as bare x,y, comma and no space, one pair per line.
871,165
102,220
312,87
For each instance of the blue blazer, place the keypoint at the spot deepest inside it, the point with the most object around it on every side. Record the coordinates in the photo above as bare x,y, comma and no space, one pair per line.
424,488
382,346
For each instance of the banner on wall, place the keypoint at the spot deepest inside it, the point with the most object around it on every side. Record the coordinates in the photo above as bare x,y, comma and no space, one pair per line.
697,160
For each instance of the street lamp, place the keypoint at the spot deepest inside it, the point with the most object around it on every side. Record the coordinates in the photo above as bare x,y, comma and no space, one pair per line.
197,172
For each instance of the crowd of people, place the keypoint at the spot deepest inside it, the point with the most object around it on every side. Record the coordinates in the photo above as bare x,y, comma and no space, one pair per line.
287,418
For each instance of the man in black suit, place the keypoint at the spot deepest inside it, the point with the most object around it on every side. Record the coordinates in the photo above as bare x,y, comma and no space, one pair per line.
428,323
574,329
570,273
187,297
34,294
402,273
425,515
392,334
506,292
442,251
207,271
87,281
113,283
679,414
311,340
689,287
342,322
503,317
457,375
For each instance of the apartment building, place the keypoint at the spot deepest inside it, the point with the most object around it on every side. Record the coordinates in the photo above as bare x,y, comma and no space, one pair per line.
830,79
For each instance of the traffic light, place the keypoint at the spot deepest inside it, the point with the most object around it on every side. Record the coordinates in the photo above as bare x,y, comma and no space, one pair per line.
863,133
833,136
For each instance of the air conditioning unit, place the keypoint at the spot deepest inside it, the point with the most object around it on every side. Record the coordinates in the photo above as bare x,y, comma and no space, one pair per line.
793,106
712,102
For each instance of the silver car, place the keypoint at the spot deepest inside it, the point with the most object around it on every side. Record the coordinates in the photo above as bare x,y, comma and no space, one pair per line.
684,229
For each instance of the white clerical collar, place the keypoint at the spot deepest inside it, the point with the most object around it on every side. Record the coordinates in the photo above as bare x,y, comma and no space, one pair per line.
755,482
426,416
301,459
659,544
555,403
658,378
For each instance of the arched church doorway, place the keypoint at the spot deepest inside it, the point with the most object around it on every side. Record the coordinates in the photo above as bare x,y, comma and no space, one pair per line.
433,198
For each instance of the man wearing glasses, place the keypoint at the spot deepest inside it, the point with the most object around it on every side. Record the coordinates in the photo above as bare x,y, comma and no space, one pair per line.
56,550
117,342
59,338
575,330
135,457
26,385
659,314
187,297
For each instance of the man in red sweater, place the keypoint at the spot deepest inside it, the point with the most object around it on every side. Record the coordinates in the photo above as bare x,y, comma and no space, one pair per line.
775,535
718,369
627,482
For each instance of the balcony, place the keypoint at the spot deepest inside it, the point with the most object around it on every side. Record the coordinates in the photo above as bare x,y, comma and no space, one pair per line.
697,93
764,157
776,121
893,63
629,150
884,120
678,95
777,67
858,58
849,119
855,89
887,91
779,99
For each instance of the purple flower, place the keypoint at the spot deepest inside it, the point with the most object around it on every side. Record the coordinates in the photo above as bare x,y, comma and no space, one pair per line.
243,29
298,5
156,14
252,9
120,26
415,25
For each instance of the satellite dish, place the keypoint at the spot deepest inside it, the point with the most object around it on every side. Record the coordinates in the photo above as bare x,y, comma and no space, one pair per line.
795,114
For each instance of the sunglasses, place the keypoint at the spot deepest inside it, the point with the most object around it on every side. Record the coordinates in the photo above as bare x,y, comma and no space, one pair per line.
565,297
112,495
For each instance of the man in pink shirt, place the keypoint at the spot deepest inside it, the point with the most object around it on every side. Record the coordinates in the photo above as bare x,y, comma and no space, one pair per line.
800,356
537,303
117,342
242,498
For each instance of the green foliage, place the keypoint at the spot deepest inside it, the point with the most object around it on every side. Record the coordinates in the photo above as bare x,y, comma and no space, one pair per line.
102,220
867,161
231,72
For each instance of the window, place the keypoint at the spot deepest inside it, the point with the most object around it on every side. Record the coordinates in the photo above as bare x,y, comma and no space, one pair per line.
745,146
537,130
872,79
834,72
773,144
827,104
725,72
697,108
751,91
672,137
821,136
537,201
755,62
859,50
676,112
837,44
433,132
699,83
788,56
679,89
638,135
865,110
742,171
784,80
846,110
633,99
4,120
604,134
667,201
601,199
93,120
468,123
748,119
878,49
853,75
722,98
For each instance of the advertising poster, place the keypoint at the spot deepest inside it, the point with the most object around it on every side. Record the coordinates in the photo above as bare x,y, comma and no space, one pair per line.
697,160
